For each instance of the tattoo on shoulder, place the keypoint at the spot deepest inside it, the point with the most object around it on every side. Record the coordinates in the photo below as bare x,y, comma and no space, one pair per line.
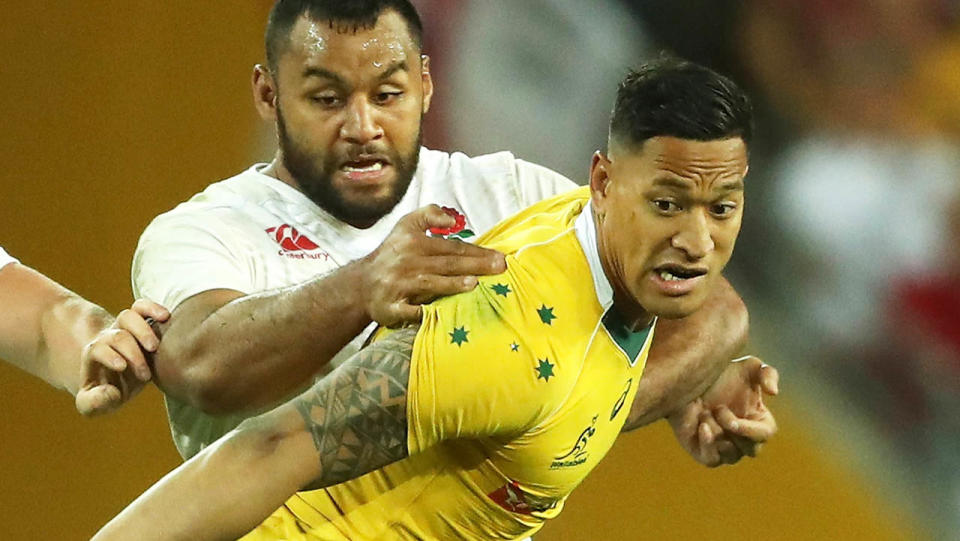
357,414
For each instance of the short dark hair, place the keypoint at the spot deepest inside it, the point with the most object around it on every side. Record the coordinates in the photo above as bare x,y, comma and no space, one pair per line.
346,15
678,98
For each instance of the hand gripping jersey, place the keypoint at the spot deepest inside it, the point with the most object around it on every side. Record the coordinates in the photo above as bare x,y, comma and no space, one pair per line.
517,390
5,258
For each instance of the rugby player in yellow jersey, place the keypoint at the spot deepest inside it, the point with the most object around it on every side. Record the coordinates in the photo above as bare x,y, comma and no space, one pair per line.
481,421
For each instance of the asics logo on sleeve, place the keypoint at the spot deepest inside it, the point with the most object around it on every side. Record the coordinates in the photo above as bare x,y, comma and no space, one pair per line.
294,244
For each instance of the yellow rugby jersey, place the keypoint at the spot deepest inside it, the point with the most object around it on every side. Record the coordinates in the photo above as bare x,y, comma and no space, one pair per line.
517,390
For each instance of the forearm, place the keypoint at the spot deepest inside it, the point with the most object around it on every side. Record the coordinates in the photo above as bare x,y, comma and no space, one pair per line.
688,355
346,425
254,350
222,493
44,326
67,327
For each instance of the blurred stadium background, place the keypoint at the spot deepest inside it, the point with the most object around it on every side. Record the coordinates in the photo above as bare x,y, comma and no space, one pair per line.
849,259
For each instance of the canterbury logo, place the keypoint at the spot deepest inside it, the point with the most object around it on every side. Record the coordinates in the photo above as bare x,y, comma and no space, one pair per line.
290,239
295,244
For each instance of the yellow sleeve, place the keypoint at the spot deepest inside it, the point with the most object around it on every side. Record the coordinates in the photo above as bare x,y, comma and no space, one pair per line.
474,371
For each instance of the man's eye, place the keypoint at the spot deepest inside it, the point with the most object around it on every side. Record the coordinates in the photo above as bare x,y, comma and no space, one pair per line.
386,97
723,209
665,205
326,101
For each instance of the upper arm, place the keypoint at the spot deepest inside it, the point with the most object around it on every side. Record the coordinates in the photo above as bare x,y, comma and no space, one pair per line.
179,257
352,421
193,268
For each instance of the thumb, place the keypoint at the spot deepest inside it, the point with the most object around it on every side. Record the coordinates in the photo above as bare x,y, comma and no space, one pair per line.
430,216
770,379
98,400
751,369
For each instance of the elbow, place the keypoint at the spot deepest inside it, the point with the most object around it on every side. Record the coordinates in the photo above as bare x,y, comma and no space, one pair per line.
194,378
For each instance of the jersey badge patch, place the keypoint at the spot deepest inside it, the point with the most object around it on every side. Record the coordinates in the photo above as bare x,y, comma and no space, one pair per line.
457,231
512,498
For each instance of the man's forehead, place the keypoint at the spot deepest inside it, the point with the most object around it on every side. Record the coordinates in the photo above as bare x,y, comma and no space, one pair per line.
317,38
667,151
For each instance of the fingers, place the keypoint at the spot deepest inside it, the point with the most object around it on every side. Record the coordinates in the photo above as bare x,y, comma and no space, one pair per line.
450,257
756,430
100,352
116,350
132,321
126,345
761,374
717,446
401,314
728,451
147,308
708,431
415,241
686,424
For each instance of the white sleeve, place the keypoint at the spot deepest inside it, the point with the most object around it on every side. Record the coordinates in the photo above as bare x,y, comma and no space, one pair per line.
5,258
537,182
179,258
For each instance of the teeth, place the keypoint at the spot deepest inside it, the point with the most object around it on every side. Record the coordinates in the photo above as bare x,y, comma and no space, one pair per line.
667,276
376,166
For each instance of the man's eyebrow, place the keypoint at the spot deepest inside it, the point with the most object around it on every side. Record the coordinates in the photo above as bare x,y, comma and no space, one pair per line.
400,65
313,71
672,182
732,185
735,185
323,73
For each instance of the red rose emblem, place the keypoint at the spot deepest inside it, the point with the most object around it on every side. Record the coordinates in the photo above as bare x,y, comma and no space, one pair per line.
458,227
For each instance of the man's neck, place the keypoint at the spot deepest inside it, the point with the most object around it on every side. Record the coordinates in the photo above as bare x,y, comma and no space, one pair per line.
277,170
635,318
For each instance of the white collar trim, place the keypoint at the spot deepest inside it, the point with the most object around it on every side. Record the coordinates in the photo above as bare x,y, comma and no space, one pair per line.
586,232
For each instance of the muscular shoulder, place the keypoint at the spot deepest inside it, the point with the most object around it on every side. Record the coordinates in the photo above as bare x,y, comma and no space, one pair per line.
486,188
229,210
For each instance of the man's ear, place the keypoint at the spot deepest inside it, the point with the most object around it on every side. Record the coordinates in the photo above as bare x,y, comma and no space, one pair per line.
264,92
427,81
599,177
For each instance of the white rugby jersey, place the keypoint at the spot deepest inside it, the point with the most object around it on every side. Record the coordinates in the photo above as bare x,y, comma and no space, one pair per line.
5,258
252,233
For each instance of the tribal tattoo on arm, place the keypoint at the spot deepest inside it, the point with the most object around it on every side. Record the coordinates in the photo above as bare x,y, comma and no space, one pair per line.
357,415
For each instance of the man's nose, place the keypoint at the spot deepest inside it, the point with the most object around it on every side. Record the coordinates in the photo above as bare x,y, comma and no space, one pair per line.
360,124
694,238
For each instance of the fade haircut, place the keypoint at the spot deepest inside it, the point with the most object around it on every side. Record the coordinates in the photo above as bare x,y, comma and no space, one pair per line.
343,15
677,98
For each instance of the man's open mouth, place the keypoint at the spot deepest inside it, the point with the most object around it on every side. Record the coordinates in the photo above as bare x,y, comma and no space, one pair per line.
363,166
677,273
